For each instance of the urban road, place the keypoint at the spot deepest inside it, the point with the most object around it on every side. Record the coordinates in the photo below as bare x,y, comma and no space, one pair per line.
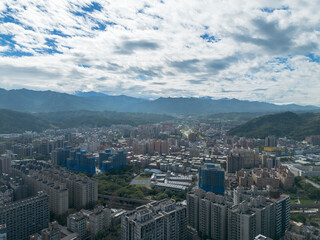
316,185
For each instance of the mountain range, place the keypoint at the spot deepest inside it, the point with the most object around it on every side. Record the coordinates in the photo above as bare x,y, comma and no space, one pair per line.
49,101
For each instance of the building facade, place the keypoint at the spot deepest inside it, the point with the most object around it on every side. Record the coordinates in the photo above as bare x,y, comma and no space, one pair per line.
164,219
25,217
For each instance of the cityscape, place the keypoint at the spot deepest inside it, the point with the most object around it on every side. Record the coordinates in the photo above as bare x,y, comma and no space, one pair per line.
159,120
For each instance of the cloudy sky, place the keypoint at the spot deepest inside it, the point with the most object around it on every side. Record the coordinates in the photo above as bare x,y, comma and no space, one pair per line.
252,50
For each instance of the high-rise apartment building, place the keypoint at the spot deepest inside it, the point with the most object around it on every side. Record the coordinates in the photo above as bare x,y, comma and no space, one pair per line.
270,141
161,220
65,189
241,217
242,158
5,163
74,160
234,163
26,216
208,213
112,159
282,213
211,178
77,223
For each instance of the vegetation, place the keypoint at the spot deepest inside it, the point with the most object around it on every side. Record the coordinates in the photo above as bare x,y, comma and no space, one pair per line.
18,122
109,234
298,218
314,179
49,101
283,124
239,117
303,191
116,182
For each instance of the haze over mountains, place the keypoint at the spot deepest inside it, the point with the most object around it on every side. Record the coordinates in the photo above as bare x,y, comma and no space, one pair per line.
48,101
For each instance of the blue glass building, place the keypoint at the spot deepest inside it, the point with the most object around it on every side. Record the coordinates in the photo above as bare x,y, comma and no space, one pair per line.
211,179
112,159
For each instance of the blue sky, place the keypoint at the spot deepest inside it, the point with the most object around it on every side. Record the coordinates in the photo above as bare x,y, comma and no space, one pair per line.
250,50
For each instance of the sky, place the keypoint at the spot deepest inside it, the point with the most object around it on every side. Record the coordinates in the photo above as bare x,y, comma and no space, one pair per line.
245,49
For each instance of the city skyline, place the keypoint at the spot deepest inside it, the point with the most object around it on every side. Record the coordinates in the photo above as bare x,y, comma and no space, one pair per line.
257,51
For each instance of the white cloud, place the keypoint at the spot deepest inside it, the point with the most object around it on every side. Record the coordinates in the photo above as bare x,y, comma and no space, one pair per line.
154,48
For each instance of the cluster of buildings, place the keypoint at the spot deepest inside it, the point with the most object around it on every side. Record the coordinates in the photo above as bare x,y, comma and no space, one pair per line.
150,146
242,158
66,190
299,231
77,160
89,223
111,158
236,196
262,177
242,216
303,170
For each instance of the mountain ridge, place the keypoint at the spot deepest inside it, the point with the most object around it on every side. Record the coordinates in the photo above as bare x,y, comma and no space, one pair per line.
285,124
50,101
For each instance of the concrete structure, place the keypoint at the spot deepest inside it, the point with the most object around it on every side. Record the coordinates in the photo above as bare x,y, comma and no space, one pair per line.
247,214
164,219
52,232
99,219
211,179
208,213
282,214
262,177
300,231
112,159
65,189
270,141
308,171
77,223
25,217
5,163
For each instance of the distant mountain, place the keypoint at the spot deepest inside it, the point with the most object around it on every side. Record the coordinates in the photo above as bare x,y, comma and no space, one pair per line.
289,124
45,101
49,101
120,103
18,122
208,106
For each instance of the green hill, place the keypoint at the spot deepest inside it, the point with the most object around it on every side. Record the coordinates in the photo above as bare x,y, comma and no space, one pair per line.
288,124
17,122
84,118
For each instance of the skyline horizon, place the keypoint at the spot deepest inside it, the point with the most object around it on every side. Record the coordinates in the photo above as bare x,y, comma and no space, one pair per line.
77,93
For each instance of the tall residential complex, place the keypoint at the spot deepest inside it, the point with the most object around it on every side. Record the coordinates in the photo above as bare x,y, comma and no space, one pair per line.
241,217
74,160
211,178
65,189
242,158
164,219
26,216
5,163
112,159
